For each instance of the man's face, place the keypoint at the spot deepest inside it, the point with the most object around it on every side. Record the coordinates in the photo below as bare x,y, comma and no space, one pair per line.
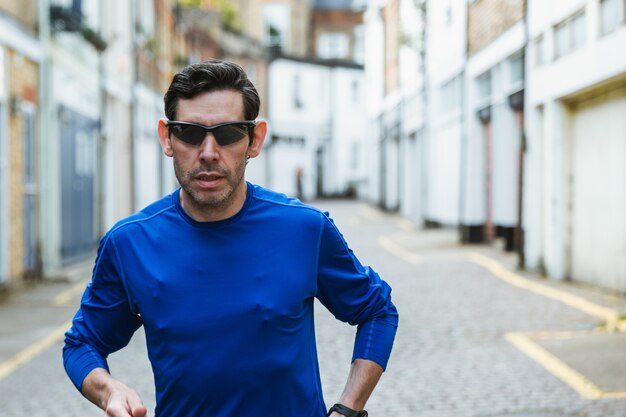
211,176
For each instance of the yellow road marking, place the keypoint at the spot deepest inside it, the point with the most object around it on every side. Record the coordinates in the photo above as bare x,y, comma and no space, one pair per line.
64,298
27,354
610,316
405,224
560,369
371,214
398,250
527,345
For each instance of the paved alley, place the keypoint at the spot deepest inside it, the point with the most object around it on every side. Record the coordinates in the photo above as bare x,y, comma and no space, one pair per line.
476,338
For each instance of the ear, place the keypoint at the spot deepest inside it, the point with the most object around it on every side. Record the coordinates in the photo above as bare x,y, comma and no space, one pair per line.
260,130
164,137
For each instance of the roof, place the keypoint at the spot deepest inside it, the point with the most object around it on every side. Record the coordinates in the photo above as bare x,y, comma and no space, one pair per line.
338,4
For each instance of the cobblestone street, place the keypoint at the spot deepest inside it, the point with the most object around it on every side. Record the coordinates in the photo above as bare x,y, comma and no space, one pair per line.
453,354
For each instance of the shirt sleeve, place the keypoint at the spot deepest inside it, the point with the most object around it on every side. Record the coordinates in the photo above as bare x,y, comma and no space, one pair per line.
104,322
357,295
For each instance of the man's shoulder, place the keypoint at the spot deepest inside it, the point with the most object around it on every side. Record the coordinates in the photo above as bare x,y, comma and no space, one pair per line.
284,204
147,214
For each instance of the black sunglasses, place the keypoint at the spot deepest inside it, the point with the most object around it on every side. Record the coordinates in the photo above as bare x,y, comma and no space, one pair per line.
224,133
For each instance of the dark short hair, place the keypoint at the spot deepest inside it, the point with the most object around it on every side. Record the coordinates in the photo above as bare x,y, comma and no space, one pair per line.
211,75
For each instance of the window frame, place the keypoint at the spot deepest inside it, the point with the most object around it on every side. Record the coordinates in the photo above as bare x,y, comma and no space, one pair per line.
572,41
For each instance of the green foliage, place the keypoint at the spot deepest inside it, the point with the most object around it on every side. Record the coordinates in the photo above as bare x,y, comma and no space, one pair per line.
229,15
190,3
230,18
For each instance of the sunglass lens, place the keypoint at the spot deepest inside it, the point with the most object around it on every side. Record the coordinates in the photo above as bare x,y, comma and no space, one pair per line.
193,135
225,135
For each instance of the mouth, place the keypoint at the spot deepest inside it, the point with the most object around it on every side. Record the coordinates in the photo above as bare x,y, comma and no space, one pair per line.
208,179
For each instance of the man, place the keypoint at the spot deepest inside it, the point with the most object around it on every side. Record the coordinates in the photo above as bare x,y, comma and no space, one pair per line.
222,275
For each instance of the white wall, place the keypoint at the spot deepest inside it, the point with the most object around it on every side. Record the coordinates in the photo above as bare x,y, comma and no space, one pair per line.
310,122
13,36
374,75
150,165
4,164
118,69
412,136
505,133
597,225
446,59
315,106
349,128
74,84
549,87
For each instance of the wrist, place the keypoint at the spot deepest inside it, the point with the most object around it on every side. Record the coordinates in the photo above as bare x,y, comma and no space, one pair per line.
346,411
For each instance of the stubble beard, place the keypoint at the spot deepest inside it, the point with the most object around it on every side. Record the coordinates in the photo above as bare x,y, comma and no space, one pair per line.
205,201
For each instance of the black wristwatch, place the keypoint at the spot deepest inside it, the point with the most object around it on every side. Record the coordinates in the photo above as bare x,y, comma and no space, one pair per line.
346,411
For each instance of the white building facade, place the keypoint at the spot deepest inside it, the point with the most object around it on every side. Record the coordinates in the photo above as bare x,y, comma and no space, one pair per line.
4,162
445,60
491,165
316,127
374,76
574,191
395,70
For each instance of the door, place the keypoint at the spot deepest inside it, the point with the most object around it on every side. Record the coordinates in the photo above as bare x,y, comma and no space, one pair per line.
30,191
3,193
78,146
598,191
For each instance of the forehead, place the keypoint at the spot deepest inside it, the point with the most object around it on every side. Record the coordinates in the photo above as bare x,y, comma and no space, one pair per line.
212,107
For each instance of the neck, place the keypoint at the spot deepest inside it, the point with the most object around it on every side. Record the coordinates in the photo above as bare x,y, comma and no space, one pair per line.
214,212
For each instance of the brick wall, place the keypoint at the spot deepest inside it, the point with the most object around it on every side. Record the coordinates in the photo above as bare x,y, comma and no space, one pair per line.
23,81
323,21
391,17
488,19
25,11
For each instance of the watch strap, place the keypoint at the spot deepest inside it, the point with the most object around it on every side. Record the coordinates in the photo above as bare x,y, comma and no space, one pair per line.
346,411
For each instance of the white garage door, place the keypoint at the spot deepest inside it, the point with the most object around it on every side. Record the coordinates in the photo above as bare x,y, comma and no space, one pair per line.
599,191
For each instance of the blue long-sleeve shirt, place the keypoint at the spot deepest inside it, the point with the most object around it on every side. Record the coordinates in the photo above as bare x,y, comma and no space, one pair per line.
227,306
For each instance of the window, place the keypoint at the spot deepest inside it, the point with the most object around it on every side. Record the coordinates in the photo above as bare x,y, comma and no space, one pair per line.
449,14
276,23
355,91
516,70
612,13
359,44
609,17
539,51
354,156
483,89
333,45
273,36
561,39
578,31
451,95
251,72
569,35
297,97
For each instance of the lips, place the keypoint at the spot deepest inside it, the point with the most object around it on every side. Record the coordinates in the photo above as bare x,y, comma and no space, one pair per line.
208,180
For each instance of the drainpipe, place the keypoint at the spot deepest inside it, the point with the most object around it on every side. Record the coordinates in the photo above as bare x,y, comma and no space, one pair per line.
463,234
49,256
102,138
519,238
423,137
133,102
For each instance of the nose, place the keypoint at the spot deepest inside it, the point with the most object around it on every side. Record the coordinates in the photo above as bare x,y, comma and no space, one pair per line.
209,149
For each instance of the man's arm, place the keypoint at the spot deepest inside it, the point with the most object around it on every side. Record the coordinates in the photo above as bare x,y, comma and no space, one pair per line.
364,375
356,294
111,395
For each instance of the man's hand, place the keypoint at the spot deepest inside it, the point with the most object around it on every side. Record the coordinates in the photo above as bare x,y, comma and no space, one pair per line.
125,403
111,395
